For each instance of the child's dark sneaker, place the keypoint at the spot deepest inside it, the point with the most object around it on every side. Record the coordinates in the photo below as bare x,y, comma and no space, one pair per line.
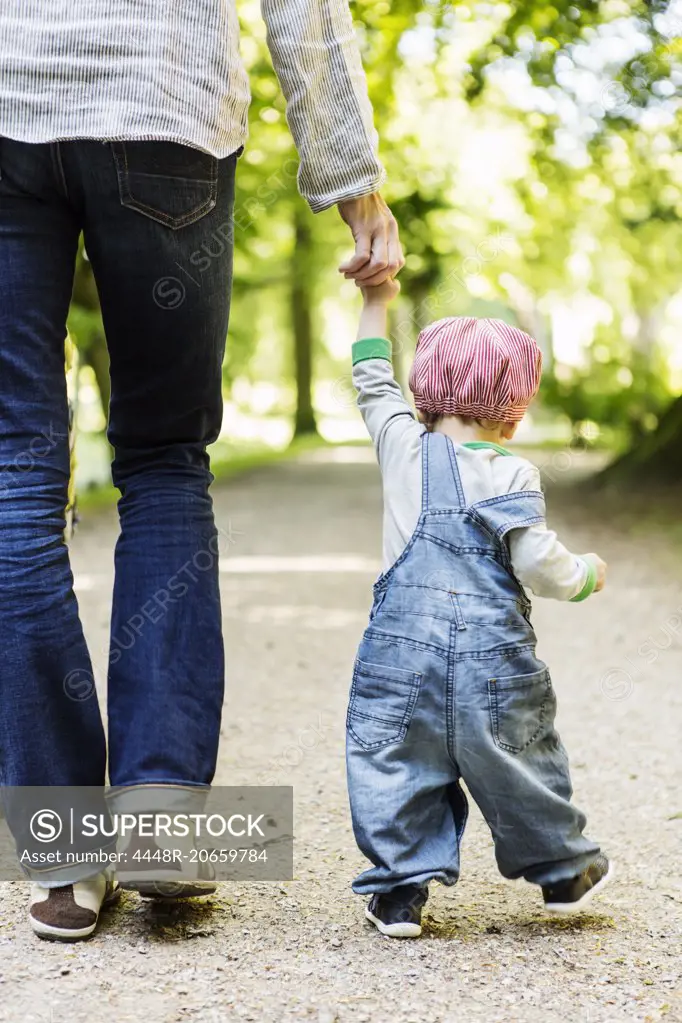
70,913
572,896
398,913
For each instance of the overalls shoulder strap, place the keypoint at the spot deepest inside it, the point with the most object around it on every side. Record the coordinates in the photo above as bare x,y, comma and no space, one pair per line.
441,483
511,511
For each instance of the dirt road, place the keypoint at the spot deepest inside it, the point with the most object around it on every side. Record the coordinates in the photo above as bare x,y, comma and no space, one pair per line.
302,543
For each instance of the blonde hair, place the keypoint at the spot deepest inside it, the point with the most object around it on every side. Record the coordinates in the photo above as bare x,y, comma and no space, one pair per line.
431,419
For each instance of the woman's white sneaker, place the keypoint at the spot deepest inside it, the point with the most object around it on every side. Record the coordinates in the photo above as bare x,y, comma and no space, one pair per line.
71,912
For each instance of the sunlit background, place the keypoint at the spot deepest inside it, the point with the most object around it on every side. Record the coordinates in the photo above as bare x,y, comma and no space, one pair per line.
535,167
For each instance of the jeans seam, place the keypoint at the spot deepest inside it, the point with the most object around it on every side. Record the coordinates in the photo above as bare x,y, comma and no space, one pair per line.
412,644
455,472
532,520
451,698
116,790
490,502
370,747
483,552
361,668
489,655
425,473
385,720
59,168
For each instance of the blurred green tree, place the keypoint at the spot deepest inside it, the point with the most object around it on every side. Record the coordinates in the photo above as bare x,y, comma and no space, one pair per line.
604,215
533,165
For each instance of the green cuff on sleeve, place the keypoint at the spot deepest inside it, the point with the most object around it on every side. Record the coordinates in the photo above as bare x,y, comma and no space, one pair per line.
590,582
372,348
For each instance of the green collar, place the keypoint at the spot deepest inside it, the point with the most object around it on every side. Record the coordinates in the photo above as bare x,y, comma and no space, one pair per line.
476,444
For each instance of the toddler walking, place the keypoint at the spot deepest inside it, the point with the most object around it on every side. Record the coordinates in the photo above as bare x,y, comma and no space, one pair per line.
447,686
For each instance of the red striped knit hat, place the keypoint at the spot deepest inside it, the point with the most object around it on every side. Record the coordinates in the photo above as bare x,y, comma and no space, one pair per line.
483,369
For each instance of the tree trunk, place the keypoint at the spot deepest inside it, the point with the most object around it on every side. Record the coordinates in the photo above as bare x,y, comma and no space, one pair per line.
523,304
93,346
657,458
96,355
302,322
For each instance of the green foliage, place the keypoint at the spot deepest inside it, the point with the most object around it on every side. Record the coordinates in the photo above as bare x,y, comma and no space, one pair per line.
539,33
626,394
576,205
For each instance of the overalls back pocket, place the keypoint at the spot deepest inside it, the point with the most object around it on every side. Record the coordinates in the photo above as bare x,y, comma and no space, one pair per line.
382,700
522,709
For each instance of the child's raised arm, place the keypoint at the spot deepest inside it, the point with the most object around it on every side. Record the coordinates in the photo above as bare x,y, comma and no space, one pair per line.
388,417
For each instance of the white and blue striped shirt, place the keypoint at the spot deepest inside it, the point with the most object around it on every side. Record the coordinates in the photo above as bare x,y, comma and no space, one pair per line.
171,69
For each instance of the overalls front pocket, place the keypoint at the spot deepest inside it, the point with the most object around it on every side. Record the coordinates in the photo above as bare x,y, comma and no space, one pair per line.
382,700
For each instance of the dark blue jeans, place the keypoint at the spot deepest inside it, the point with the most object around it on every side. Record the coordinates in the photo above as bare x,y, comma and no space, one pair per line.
157,222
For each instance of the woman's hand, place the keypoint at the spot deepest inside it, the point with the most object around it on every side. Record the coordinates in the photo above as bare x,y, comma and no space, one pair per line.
378,253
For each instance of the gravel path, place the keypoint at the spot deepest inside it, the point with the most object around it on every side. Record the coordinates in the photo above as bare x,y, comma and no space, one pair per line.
300,950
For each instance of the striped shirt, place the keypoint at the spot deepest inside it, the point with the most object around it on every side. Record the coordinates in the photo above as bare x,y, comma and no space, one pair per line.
171,70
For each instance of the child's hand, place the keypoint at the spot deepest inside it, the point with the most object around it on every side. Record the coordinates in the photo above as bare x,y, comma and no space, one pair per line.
381,294
601,567
374,315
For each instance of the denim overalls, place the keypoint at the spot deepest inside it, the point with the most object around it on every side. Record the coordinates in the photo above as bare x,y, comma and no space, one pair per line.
447,687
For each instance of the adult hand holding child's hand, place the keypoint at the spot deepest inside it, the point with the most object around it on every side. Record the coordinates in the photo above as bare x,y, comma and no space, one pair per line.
378,252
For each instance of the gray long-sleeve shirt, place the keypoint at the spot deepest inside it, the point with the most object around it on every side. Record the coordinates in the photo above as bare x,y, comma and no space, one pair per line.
171,69
540,561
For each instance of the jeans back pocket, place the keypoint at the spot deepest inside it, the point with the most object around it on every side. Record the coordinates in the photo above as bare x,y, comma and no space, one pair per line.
165,181
522,709
382,700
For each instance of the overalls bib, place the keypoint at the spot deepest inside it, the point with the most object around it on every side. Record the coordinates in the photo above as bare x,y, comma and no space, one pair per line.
447,687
